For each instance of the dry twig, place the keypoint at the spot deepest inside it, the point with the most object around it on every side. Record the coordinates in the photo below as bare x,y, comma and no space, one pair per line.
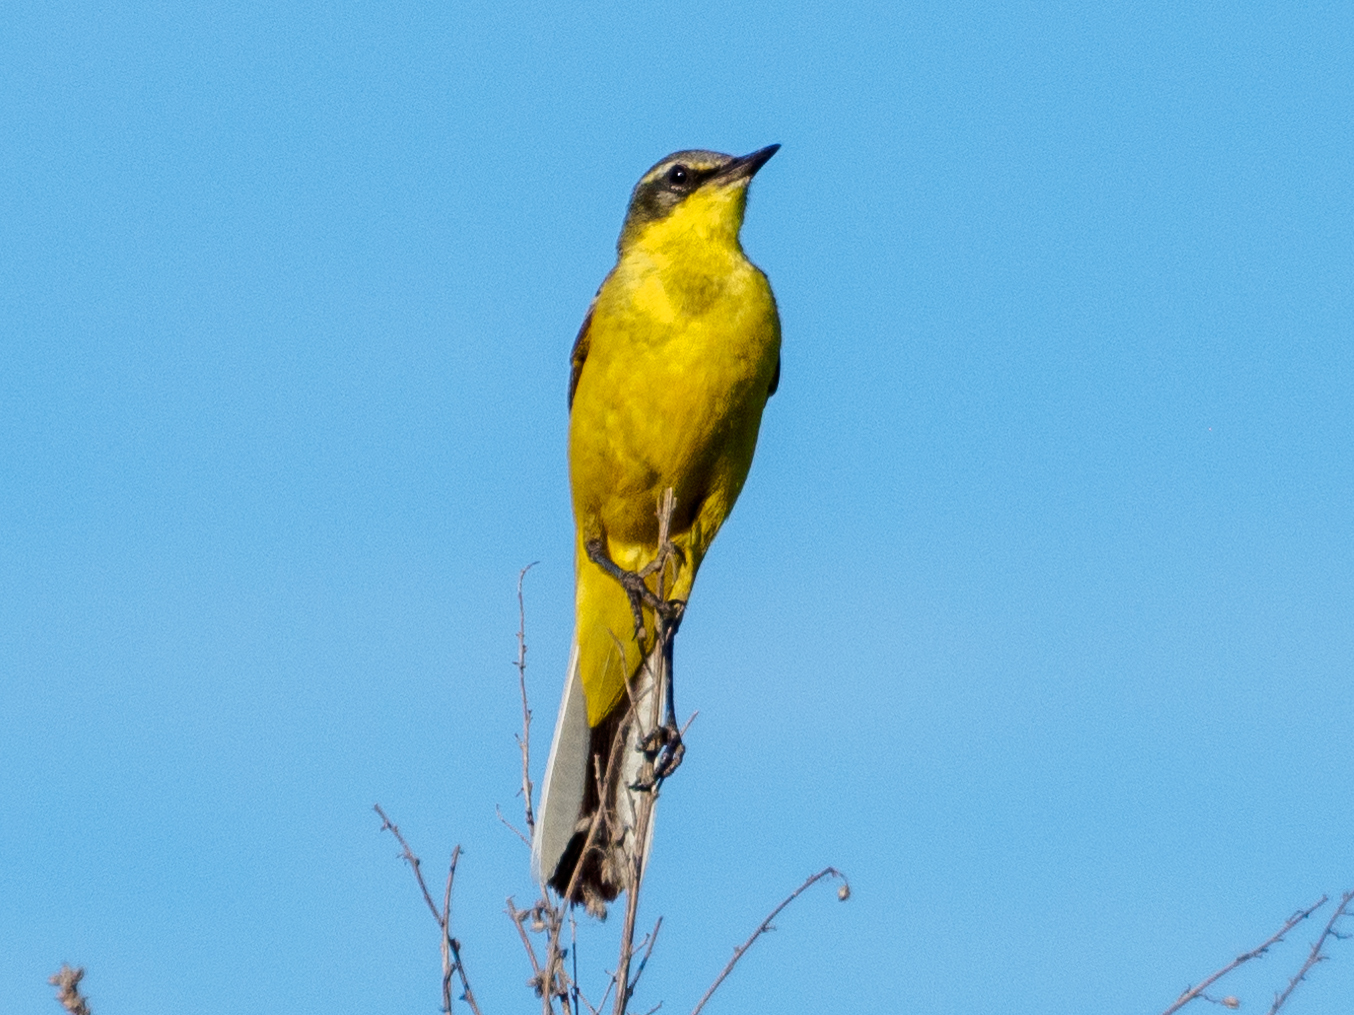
67,983
451,948
1315,956
647,944
524,741
511,827
549,980
538,982
843,893
1194,992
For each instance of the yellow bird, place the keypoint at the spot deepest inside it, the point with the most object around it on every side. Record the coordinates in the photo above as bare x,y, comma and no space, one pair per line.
670,373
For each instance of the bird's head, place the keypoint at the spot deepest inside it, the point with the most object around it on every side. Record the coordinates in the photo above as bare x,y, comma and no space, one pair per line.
696,194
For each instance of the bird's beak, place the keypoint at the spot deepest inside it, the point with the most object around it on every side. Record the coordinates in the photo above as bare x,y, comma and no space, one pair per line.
746,167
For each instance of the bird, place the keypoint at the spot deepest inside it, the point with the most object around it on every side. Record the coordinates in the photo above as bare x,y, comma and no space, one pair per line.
669,376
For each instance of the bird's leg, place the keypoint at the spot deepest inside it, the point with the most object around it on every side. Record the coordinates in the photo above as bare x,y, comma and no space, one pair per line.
663,746
639,594
666,741
670,610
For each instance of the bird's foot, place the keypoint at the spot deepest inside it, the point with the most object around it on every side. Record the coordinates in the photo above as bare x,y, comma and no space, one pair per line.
663,747
672,611
636,590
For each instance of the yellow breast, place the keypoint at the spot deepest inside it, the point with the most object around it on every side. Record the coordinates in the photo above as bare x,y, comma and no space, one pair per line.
681,355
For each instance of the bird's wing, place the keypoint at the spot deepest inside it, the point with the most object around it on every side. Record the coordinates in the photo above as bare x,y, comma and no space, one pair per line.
580,354
775,379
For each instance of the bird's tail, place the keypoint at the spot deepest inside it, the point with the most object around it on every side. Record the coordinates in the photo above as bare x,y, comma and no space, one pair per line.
593,822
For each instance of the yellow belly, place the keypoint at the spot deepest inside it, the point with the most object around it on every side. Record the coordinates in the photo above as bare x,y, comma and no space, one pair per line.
677,373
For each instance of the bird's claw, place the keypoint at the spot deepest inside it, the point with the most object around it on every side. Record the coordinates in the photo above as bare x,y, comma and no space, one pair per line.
664,748
665,762
636,589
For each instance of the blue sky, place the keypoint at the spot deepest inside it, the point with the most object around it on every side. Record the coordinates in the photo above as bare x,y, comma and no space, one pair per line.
1036,616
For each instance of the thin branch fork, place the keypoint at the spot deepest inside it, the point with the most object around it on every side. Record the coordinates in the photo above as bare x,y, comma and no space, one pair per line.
1315,955
843,893
1194,992
451,948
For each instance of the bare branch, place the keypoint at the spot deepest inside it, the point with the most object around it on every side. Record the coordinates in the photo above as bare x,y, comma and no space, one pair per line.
524,742
843,893
511,827
595,1010
467,994
446,942
449,943
451,948
687,725
1315,956
67,983
607,993
1193,992
647,944
549,980
408,856
517,916
573,957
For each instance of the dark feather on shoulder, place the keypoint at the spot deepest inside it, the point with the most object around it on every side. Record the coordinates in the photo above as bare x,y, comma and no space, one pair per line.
579,356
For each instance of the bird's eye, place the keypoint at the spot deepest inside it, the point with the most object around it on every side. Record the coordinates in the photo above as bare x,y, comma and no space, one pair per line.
678,175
